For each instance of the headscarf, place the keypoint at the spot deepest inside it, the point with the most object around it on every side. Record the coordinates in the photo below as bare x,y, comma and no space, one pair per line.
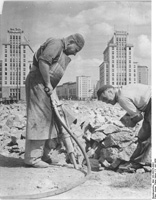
79,40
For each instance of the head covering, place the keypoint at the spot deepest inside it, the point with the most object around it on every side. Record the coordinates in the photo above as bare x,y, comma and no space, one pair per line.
79,40
103,89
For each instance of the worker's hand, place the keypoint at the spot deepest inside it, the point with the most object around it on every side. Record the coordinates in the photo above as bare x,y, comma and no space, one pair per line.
55,101
126,120
48,89
137,118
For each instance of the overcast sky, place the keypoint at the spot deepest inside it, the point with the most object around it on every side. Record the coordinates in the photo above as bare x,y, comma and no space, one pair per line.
95,20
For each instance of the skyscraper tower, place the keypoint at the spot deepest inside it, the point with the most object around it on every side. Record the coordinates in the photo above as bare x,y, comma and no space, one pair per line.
83,87
17,60
118,66
142,75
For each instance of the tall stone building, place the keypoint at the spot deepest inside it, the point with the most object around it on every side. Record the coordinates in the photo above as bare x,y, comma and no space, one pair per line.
83,87
17,60
118,65
142,75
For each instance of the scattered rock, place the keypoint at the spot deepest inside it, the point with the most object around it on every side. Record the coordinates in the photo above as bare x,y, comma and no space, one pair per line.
140,171
129,167
98,136
98,129
111,129
126,153
116,139
13,140
115,164
109,154
1,132
104,163
5,129
95,165
10,121
147,168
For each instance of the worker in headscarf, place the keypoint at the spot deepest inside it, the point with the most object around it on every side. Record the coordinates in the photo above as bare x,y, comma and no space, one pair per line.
49,64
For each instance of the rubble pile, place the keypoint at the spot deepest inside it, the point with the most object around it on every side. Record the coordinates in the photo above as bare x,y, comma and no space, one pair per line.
108,143
12,128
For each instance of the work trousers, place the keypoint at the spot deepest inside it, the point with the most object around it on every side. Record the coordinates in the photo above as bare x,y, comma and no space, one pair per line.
36,150
145,131
144,138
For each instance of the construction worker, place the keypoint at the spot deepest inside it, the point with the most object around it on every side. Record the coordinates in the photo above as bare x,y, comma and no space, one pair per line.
49,64
135,99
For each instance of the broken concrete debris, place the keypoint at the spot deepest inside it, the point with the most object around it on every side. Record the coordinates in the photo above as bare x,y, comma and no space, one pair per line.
108,143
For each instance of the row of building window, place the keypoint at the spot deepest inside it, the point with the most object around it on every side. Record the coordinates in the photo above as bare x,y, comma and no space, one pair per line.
14,46
121,39
13,43
13,64
15,37
121,48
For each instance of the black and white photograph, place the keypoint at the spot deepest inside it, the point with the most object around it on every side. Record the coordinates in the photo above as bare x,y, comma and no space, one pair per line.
76,90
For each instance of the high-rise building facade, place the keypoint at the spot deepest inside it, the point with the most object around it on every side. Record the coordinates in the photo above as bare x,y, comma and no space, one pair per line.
118,65
83,87
135,65
0,79
17,61
102,74
142,74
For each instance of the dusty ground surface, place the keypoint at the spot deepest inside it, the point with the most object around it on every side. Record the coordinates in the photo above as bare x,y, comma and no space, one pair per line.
17,179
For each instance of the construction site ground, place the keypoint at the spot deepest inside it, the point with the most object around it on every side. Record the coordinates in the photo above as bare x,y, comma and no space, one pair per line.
17,179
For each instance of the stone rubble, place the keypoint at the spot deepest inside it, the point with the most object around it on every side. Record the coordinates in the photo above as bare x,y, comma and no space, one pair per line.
109,145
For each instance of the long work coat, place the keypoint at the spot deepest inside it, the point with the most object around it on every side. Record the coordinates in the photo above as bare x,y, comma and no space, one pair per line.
41,120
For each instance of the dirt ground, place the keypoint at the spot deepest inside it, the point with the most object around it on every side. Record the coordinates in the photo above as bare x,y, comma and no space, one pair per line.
17,179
